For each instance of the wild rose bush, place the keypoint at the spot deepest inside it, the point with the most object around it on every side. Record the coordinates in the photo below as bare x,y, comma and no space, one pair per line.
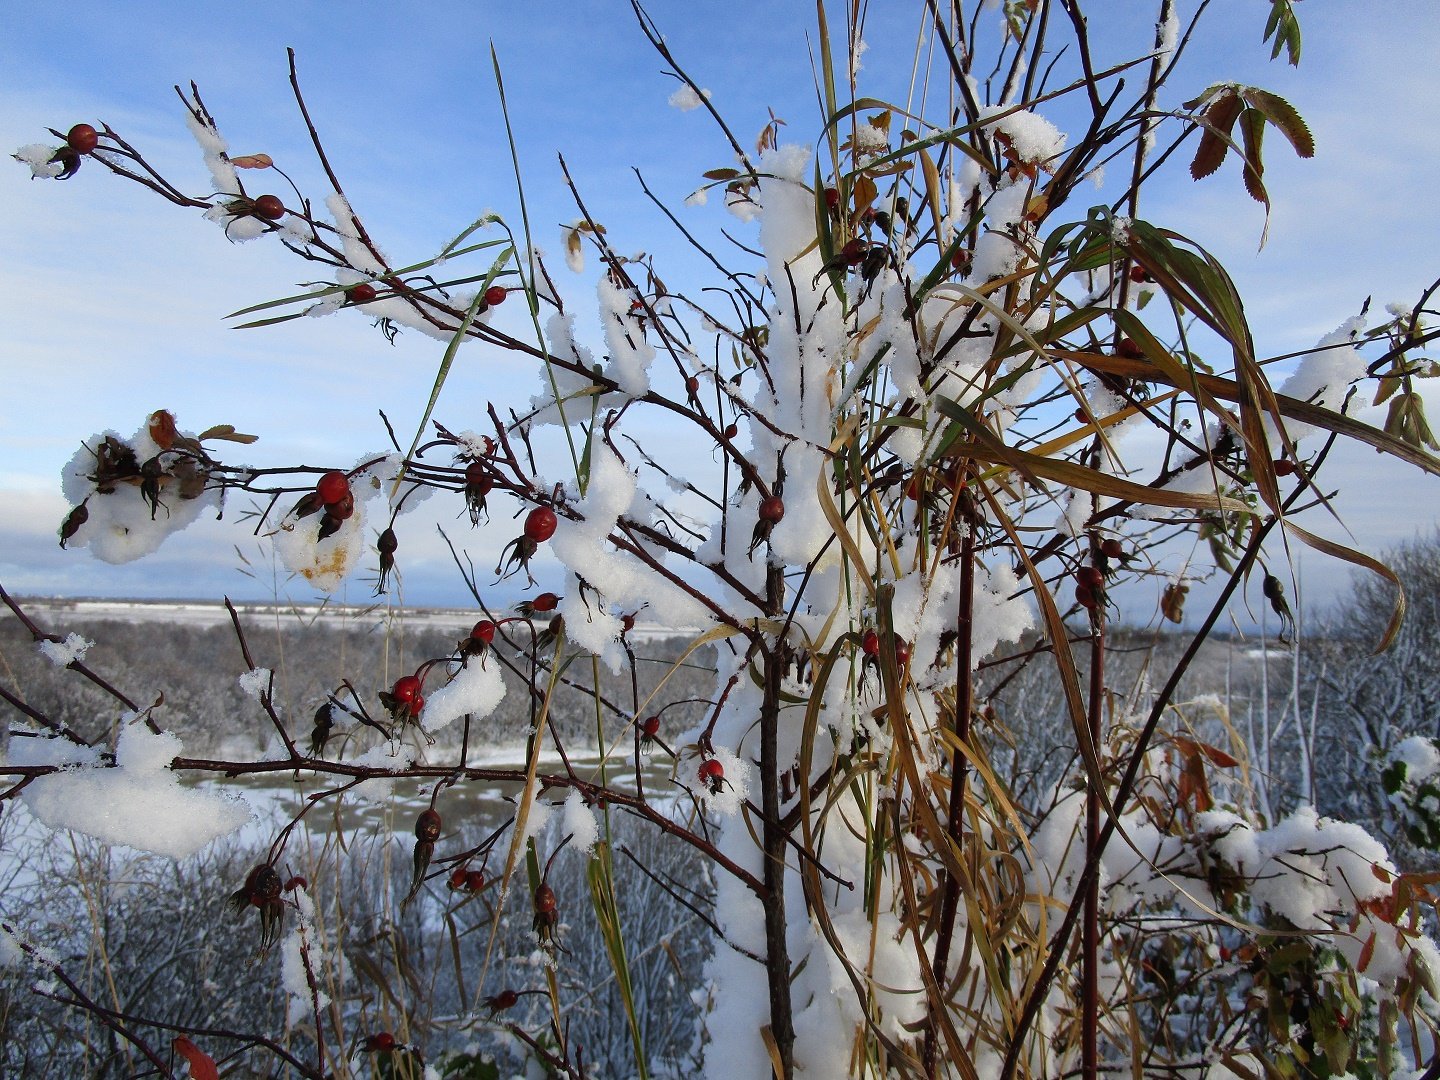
929,398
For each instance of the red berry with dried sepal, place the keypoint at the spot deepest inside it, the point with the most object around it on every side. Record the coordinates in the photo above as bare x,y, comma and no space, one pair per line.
262,890
483,632
332,487
386,546
870,643
545,602
772,509
82,138
427,831
478,484
1090,577
361,293
1088,598
502,1001
540,524
428,825
334,517
261,884
649,731
517,555
457,878
404,700
853,253
73,520
1129,349
382,1042
406,689
320,733
474,880
1112,548
832,198
269,207
496,294
547,913
712,774
1283,467
731,431
902,652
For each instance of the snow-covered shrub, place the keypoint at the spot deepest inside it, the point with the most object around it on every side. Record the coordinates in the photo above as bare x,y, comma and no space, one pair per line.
944,435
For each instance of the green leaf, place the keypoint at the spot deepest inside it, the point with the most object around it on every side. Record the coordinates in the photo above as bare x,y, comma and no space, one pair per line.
226,433
1283,115
1284,27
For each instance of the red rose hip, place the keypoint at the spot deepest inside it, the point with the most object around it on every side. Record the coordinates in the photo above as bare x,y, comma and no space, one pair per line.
82,138
406,689
540,524
332,487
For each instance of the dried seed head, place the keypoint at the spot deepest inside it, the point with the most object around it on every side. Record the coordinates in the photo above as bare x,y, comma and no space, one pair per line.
427,826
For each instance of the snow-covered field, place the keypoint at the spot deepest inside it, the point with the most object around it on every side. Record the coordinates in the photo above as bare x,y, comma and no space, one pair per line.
201,613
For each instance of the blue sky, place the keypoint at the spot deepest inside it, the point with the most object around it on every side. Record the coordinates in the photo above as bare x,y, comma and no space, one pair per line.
114,302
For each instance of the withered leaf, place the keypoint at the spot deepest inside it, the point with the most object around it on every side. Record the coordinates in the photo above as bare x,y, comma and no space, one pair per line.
1172,602
1219,118
202,1065
252,161
226,433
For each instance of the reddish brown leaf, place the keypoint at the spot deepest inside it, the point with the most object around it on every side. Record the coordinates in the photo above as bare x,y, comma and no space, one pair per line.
1172,602
1193,787
1252,129
1219,118
162,428
252,161
1366,952
202,1065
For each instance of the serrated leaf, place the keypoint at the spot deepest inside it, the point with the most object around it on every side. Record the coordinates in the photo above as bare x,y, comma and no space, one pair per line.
1285,28
1215,142
1283,115
1205,95
1252,133
226,433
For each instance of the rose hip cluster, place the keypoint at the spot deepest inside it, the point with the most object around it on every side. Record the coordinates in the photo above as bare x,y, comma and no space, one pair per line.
332,494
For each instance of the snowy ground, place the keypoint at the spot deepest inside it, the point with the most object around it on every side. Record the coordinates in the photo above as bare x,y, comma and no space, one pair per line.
201,613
